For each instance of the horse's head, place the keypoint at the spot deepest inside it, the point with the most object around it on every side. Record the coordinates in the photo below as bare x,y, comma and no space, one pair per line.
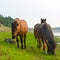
14,29
51,47
43,20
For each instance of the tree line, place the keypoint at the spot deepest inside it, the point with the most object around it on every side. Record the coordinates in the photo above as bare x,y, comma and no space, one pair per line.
7,21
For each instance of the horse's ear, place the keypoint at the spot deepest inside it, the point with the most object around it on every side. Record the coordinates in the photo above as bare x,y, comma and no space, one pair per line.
41,18
45,19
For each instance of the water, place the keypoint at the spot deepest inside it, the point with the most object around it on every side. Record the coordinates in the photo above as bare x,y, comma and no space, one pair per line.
56,32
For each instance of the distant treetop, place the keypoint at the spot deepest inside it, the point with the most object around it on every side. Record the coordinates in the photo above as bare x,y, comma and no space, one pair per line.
7,21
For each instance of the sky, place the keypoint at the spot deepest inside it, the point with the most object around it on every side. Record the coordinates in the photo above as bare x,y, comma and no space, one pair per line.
32,11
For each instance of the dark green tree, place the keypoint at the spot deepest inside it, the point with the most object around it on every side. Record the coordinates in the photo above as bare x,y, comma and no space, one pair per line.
7,21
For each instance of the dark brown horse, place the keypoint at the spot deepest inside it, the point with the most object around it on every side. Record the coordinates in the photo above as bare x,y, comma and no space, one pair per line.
45,35
19,28
36,29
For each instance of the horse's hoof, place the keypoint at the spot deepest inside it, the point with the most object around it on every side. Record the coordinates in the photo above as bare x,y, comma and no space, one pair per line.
24,47
21,47
39,47
17,46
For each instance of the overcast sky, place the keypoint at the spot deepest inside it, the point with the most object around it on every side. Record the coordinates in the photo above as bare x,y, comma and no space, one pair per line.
32,10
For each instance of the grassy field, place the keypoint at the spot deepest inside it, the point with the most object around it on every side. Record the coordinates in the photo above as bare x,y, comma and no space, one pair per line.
11,52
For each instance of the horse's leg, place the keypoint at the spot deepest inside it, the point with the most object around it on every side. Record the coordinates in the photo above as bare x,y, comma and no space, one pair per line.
25,41
21,39
39,43
43,45
48,51
17,42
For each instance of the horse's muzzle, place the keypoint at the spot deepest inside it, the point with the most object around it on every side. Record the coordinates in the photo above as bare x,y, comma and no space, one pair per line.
13,37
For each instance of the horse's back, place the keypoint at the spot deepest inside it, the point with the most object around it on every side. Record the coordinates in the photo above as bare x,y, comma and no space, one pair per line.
23,26
36,28
46,31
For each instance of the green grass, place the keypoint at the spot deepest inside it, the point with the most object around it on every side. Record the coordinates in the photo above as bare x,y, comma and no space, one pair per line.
11,52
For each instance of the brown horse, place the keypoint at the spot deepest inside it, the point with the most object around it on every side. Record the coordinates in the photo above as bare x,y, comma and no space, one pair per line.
45,35
19,28
36,29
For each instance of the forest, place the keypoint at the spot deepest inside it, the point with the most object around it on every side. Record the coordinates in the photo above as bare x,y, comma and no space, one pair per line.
6,20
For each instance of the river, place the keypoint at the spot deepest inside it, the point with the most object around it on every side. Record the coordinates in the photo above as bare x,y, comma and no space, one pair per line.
56,34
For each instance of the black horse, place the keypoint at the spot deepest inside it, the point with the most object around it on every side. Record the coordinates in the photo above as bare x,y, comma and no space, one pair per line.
45,35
